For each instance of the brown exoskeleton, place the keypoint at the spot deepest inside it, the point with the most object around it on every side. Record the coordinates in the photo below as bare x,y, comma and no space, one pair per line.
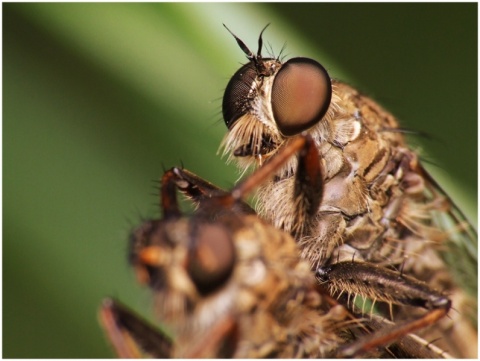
374,203
228,284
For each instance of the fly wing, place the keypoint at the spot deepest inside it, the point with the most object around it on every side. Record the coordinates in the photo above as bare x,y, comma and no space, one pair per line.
458,334
461,253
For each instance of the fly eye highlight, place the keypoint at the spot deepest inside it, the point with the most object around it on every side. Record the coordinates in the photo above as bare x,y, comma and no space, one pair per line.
211,258
301,95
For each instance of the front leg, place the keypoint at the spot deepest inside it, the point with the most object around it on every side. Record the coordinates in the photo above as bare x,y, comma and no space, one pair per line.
308,189
131,336
198,190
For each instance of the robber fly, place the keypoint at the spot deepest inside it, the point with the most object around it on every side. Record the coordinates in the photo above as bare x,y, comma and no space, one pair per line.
228,284
368,197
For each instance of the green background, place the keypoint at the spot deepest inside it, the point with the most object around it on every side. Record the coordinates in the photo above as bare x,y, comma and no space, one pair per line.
98,98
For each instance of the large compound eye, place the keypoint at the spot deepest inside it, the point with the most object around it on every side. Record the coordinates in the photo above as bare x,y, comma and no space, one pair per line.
236,94
211,258
301,95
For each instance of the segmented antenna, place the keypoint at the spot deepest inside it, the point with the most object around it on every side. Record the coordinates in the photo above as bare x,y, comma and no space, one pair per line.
250,55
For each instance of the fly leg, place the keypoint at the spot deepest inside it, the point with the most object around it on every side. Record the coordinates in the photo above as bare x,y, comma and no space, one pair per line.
131,336
308,189
409,346
381,284
308,184
198,189
395,334
195,187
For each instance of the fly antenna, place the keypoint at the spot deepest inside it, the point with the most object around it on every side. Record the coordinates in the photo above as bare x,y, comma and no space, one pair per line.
256,58
260,42
241,44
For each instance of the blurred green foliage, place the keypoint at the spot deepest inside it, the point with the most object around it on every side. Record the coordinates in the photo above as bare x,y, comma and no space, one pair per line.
98,98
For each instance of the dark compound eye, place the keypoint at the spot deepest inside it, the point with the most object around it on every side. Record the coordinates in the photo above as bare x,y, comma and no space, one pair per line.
236,94
301,95
211,258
